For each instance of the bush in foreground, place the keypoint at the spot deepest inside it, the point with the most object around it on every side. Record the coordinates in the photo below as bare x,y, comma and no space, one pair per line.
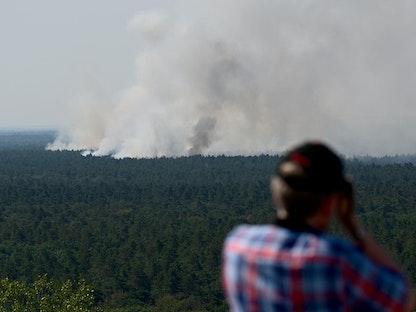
46,295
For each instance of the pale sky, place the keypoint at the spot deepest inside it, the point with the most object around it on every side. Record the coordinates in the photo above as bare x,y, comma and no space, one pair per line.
53,50
145,78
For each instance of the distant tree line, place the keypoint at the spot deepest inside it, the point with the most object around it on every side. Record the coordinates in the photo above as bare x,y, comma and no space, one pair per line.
146,234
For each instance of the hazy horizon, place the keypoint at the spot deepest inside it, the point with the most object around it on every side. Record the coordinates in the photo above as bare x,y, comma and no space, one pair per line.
53,134
170,78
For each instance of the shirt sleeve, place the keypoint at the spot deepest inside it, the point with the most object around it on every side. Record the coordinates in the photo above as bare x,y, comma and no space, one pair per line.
371,287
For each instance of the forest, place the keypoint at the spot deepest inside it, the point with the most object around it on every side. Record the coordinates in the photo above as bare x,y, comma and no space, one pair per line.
146,234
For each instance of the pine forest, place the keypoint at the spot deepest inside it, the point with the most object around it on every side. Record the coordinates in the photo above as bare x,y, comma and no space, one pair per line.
146,234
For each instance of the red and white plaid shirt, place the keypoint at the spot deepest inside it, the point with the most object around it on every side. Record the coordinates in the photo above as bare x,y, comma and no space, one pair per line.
272,268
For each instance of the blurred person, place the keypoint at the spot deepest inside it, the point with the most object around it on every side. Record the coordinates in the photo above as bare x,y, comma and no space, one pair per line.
294,264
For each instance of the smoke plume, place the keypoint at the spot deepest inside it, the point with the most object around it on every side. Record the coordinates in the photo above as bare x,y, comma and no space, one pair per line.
202,137
249,77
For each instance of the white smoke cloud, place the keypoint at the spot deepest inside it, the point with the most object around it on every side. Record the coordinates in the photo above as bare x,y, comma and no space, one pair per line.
249,77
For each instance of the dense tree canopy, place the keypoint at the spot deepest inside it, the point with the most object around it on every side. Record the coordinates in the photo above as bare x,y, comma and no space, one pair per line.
147,233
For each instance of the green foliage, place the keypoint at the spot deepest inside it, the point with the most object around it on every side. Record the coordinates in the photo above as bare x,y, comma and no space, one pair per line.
147,233
46,295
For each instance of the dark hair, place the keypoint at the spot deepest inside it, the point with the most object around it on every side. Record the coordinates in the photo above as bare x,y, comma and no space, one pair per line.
299,204
307,175
322,169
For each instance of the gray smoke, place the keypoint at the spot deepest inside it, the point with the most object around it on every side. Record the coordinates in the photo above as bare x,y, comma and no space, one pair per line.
203,135
249,77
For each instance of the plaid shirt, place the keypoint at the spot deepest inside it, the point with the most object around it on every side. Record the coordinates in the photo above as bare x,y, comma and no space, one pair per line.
271,268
